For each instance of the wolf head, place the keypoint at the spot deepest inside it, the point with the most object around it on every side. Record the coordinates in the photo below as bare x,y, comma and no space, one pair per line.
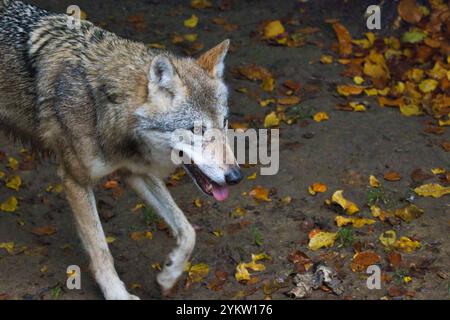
186,115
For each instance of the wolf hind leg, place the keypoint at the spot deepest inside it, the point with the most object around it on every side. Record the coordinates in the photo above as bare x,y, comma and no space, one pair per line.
154,192
89,227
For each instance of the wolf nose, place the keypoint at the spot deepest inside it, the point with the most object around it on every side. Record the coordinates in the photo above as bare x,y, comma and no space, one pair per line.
234,176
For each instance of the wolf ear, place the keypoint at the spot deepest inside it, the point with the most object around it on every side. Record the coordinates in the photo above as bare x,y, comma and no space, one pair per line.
162,73
213,60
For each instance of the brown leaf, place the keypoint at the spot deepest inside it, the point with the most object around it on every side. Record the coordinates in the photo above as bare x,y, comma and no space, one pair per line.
418,175
392,176
409,11
395,259
344,39
362,260
44,231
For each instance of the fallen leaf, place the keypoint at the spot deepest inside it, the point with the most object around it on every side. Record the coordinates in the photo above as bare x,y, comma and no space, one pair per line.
110,239
349,90
271,120
242,273
198,203
326,59
191,22
317,187
322,239
260,193
12,163
373,182
289,101
432,190
388,238
392,176
321,116
273,29
362,260
44,231
395,259
14,182
344,39
8,246
9,205
428,85
141,235
111,184
356,222
197,273
238,212
348,206
201,4
406,244
414,36
409,11
409,213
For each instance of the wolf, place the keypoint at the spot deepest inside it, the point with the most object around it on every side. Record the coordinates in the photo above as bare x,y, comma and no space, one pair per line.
102,104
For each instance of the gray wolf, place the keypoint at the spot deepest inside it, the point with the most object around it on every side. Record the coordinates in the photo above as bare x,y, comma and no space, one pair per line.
104,104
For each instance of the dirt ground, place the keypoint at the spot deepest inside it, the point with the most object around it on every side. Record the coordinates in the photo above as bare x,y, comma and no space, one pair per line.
341,153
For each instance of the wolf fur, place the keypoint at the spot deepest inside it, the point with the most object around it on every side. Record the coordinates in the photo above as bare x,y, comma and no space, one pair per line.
102,104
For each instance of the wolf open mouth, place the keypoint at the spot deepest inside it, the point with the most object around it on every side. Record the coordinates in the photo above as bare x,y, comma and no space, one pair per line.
211,188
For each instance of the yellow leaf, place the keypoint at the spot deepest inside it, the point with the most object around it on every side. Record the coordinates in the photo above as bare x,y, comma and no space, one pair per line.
260,193
268,84
376,211
14,183
443,123
242,273
197,272
438,171
238,212
388,238
348,206
358,80
406,244
252,176
349,90
375,66
141,235
8,246
356,222
371,92
12,163
373,182
218,233
407,279
286,200
271,120
198,203
266,102
191,22
273,29
2,174
357,107
321,116
201,4
138,207
428,85
322,239
409,213
317,188
326,59
432,190
191,37
410,110
110,239
156,266
9,205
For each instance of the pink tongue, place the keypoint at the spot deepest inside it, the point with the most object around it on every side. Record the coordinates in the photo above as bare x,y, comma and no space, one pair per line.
220,192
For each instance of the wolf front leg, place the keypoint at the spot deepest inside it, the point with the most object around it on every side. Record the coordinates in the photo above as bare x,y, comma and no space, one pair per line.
154,192
90,229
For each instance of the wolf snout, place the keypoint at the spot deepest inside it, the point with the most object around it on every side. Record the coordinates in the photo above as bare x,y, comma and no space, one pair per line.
233,176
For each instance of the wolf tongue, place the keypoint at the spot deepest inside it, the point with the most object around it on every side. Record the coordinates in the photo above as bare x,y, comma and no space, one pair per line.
220,192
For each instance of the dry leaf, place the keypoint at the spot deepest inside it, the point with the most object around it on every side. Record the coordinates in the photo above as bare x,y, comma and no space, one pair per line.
432,190
388,238
409,213
14,183
344,39
373,182
349,90
362,260
191,22
197,273
44,231
9,205
348,206
409,11
242,273
406,244
392,176
321,239
260,193
271,120
317,188
321,116
141,235
273,29
356,222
